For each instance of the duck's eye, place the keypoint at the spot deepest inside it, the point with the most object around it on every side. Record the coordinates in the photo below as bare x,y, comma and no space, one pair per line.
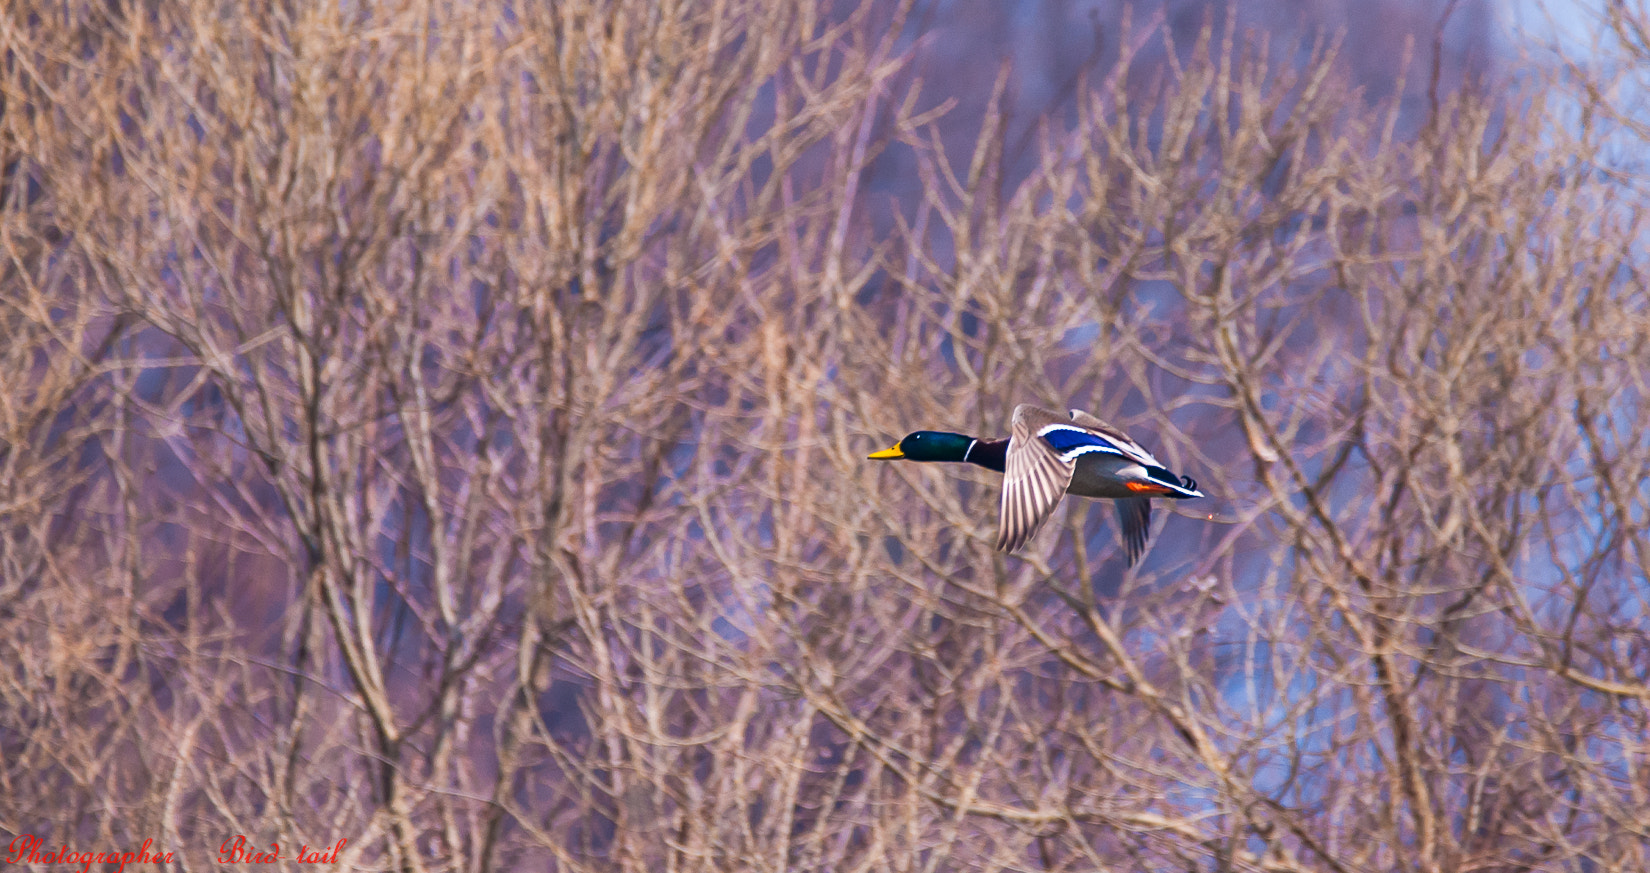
1188,483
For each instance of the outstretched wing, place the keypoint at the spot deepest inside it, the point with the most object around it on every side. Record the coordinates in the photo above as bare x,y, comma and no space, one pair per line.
1135,517
1035,477
1134,514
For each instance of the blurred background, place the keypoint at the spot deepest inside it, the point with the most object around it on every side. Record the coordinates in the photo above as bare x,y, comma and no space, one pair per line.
442,426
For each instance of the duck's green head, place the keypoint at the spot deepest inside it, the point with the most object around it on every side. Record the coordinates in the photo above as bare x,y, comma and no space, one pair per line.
927,445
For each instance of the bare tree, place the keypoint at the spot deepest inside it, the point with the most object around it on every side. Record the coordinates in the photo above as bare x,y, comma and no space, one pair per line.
442,428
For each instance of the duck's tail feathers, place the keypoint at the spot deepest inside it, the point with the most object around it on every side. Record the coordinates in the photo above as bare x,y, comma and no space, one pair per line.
1180,487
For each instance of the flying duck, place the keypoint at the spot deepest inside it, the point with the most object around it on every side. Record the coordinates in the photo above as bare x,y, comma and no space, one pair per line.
1046,456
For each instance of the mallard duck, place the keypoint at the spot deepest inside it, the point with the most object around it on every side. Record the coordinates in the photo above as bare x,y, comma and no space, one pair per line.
1047,455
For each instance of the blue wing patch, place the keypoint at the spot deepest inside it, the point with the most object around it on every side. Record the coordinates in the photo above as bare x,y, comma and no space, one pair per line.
1071,442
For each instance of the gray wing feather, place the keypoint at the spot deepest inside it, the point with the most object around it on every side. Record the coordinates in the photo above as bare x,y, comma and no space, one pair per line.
1134,449
1084,419
1034,478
